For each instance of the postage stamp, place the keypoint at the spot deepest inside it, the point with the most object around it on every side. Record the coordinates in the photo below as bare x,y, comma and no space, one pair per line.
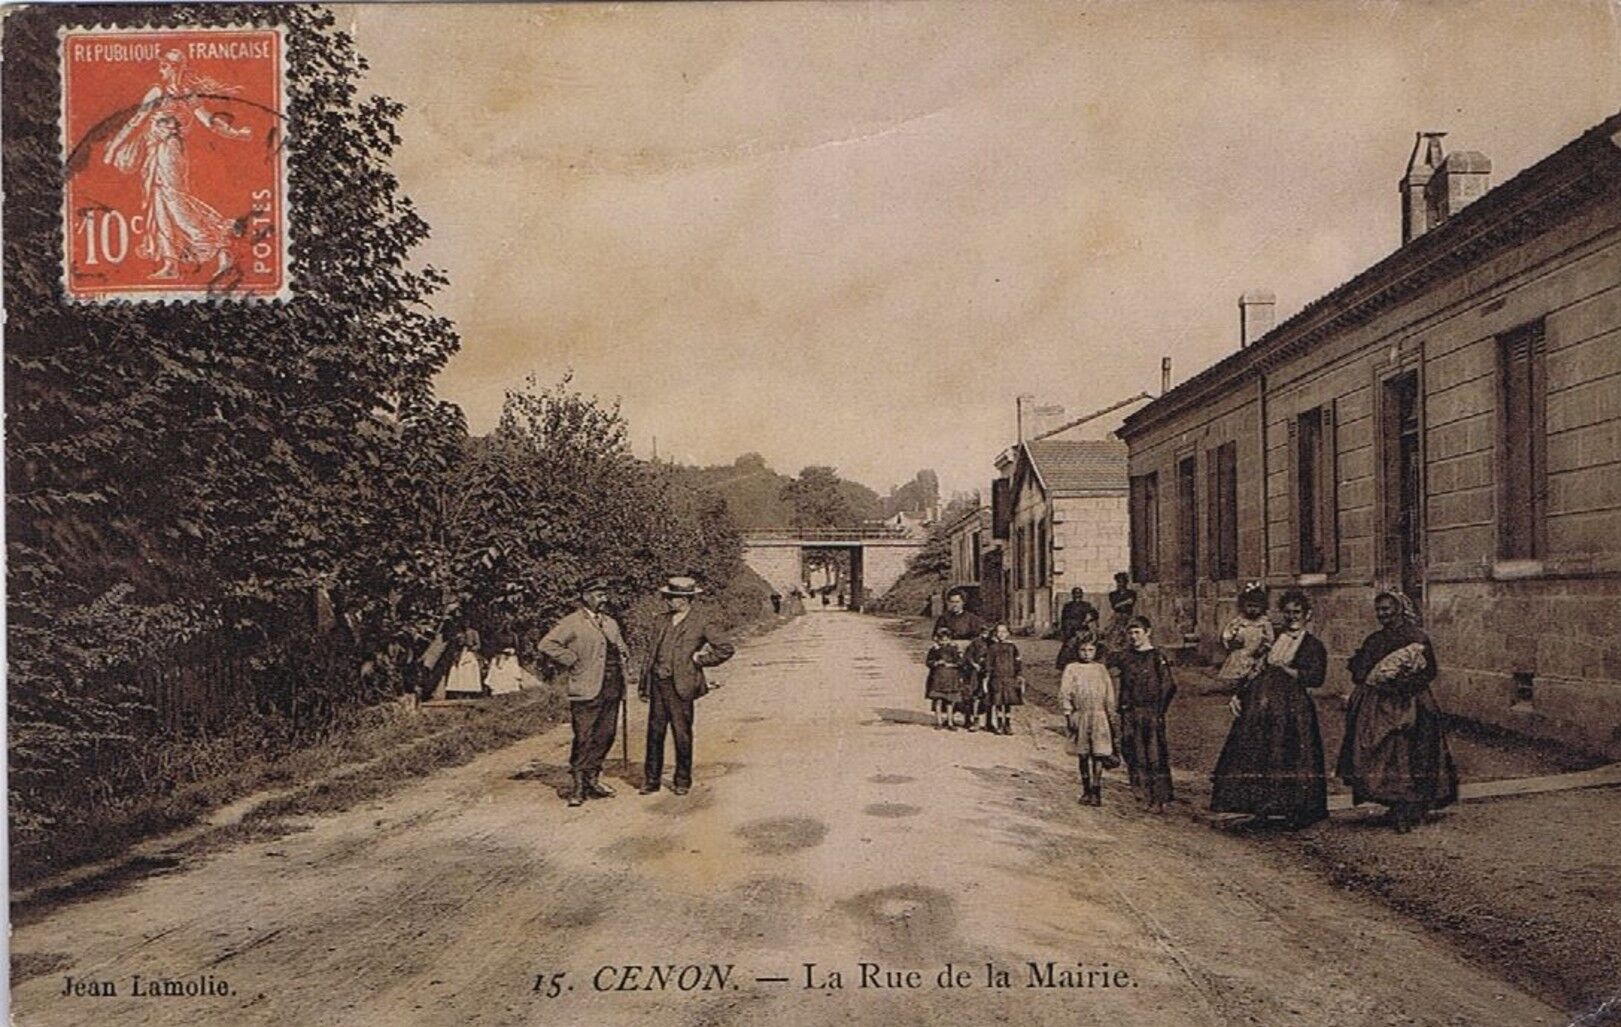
175,172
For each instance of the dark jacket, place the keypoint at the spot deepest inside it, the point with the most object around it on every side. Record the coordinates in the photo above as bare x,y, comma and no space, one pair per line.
696,636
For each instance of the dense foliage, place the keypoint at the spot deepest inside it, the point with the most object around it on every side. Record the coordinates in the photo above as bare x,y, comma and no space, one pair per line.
246,487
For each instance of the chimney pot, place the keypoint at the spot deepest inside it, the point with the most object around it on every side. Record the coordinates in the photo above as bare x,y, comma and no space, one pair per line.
1257,312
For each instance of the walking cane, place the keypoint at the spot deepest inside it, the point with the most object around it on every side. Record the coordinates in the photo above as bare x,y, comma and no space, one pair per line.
624,736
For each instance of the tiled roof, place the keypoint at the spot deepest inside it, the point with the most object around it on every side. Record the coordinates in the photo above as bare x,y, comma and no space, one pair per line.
1087,465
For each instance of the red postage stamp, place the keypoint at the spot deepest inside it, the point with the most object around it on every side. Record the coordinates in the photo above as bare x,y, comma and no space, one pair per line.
175,176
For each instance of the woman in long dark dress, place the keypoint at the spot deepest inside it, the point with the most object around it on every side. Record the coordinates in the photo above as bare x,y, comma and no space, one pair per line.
1395,749
1146,690
1272,764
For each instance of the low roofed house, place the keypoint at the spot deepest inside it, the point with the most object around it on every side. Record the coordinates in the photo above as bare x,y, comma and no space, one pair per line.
1448,421
1067,525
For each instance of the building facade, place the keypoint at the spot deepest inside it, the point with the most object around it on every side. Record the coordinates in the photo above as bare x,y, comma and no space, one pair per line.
1448,421
1066,526
976,564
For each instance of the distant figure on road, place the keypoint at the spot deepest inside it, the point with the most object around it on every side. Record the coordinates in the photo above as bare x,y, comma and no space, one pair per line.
964,625
1272,764
1004,681
505,673
685,644
776,603
1077,616
967,629
589,643
1087,698
1395,749
944,686
1123,607
1146,690
467,673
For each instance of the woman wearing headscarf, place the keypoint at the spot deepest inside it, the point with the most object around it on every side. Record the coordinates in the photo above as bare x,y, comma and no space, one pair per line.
1395,749
1272,764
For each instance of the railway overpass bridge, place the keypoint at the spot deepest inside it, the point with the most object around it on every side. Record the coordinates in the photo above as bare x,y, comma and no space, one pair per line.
878,555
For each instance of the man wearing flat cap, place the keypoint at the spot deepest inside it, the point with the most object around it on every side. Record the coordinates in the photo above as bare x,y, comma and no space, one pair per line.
590,645
686,643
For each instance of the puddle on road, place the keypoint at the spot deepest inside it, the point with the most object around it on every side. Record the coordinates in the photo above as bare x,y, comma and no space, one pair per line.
775,836
891,779
638,847
770,907
907,917
892,809
892,715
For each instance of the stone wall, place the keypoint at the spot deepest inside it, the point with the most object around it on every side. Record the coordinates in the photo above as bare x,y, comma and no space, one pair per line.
1090,543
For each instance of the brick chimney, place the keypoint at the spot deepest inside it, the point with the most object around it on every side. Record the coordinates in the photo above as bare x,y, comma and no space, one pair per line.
1438,184
1257,313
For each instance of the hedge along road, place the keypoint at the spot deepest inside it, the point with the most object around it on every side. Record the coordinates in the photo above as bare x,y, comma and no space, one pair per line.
830,825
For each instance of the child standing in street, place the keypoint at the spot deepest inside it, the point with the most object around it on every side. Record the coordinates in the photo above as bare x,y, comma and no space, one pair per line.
1146,691
1004,681
1087,698
944,687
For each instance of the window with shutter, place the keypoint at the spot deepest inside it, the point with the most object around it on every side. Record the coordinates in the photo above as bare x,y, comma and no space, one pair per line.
1187,519
1522,475
1225,503
1313,490
1144,516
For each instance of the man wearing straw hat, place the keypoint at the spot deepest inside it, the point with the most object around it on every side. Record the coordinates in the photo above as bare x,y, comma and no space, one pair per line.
590,645
685,644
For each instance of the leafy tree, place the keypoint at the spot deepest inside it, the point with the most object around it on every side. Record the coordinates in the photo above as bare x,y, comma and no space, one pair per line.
817,501
181,469
916,496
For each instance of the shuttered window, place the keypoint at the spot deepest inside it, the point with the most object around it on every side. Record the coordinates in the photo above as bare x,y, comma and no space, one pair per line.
1187,520
1145,527
1313,487
1221,510
1522,479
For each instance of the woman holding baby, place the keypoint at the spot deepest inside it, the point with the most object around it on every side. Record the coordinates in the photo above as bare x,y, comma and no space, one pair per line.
1395,749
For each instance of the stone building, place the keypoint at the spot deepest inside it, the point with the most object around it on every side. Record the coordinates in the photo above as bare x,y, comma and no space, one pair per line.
976,560
1065,525
1448,420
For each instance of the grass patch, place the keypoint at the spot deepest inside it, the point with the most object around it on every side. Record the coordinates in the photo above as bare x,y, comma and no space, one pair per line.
391,743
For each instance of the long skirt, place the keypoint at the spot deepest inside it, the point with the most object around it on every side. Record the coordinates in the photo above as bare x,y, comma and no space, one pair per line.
466,676
944,684
1005,692
507,675
1272,764
1147,755
1395,751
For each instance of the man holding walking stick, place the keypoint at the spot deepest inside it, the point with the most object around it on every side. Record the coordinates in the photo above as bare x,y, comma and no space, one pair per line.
590,645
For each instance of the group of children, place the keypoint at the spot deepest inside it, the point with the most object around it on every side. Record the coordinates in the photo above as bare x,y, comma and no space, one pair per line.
984,677
1107,723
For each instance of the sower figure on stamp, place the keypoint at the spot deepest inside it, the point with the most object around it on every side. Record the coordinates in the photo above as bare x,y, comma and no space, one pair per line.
684,645
589,643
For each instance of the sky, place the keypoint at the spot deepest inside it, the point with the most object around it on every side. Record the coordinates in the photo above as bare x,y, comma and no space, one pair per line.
852,233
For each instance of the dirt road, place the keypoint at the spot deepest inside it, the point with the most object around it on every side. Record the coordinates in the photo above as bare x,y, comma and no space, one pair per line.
830,825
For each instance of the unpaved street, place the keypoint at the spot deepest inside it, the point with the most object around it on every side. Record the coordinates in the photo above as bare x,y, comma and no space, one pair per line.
831,824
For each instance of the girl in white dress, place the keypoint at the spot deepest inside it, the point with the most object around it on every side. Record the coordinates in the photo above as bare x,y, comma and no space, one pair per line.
466,675
1087,697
